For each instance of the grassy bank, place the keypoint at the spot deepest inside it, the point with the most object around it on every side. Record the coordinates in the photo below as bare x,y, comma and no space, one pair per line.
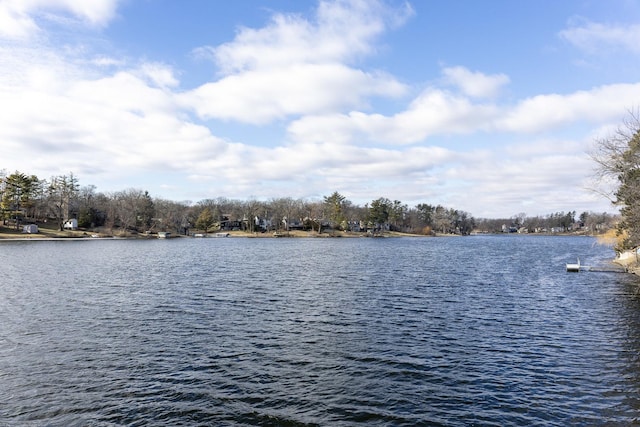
10,232
48,231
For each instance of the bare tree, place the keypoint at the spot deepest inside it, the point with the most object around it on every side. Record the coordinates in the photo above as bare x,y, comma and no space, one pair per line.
62,193
132,208
251,209
618,158
618,153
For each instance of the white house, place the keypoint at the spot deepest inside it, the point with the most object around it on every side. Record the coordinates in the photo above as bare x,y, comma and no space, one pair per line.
71,224
30,229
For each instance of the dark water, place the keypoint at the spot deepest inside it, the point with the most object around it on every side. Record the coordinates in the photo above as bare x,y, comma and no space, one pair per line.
486,330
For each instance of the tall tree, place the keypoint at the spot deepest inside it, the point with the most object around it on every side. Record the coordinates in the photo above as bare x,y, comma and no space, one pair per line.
335,209
205,220
61,194
284,211
464,223
618,157
251,209
314,215
89,214
398,214
426,212
146,212
133,209
18,195
172,216
442,220
379,212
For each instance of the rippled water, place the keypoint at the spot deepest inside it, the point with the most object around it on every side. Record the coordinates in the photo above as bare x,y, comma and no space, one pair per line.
484,330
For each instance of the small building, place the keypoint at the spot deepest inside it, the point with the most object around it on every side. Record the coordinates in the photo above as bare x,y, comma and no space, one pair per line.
30,229
71,224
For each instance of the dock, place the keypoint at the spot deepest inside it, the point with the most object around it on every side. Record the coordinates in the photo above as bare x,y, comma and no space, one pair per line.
577,267
605,269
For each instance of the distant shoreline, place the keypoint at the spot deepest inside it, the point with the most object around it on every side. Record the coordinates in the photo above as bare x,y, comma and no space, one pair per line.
43,238
44,234
81,235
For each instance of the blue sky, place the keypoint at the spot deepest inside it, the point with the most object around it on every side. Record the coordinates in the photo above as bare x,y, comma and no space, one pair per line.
489,107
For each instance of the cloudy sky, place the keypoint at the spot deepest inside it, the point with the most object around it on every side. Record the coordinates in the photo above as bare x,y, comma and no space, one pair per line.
489,107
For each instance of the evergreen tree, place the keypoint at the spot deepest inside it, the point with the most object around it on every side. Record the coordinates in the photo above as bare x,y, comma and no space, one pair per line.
18,195
205,220
335,207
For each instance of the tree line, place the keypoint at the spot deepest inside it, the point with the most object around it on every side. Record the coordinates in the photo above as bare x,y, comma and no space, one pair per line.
26,197
557,222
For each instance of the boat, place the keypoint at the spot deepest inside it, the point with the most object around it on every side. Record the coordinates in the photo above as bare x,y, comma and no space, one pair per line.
222,234
163,234
574,268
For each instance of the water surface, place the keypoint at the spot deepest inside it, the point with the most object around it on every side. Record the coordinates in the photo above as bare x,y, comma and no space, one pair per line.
481,330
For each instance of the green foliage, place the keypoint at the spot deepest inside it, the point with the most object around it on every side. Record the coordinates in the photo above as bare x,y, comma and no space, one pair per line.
205,220
18,194
379,211
425,213
89,217
147,211
398,215
628,197
335,205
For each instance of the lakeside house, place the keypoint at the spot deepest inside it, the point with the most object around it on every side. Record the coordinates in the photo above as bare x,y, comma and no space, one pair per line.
71,224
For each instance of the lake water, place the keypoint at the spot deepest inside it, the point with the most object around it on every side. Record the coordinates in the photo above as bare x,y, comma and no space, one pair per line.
480,330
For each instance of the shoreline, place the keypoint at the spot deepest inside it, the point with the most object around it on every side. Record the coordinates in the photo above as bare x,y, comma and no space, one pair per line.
42,238
629,261
55,235
44,234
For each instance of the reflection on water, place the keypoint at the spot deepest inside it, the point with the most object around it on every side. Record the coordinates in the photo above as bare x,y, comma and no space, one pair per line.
486,330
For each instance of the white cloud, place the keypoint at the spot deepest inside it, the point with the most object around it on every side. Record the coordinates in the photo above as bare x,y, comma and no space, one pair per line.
159,74
545,112
54,118
475,84
437,112
433,112
294,66
342,31
261,96
18,17
593,37
524,178
105,61
14,23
